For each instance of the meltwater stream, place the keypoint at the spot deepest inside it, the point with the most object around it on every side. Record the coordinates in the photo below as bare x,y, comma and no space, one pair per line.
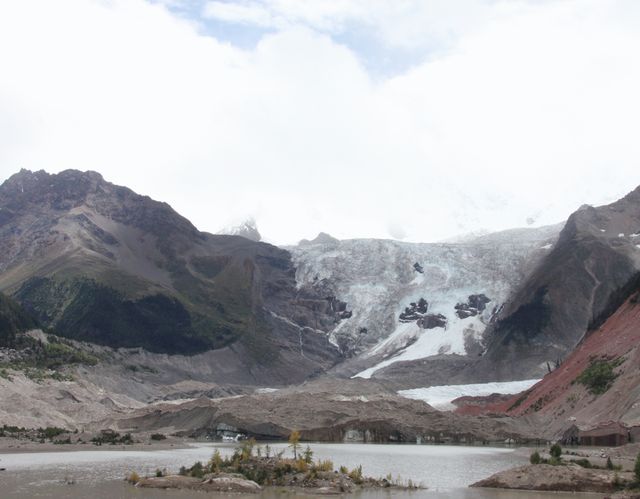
98,474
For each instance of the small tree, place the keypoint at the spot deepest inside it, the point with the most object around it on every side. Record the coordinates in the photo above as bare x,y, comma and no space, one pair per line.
609,463
197,470
215,463
247,449
556,451
535,458
294,442
307,455
636,468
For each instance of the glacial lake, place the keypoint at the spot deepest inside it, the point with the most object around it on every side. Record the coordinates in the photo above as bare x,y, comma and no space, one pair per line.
99,474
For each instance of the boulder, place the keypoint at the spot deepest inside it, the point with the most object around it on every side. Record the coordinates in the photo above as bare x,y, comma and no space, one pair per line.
569,478
220,482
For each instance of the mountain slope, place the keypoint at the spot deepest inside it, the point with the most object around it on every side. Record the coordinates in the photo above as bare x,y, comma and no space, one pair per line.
100,263
596,256
596,383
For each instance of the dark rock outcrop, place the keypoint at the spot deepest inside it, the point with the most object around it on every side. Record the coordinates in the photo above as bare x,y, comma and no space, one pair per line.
475,305
414,311
431,321
417,312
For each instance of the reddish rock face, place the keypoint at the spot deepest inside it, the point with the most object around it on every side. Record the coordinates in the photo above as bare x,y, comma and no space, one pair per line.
562,400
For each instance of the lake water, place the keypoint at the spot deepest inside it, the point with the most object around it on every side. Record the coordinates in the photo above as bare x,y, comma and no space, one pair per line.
98,474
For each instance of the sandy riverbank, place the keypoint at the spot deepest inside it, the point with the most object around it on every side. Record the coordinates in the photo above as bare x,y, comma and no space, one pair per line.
9,445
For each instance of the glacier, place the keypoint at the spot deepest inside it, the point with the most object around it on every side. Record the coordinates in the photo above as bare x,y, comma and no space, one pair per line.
440,397
379,279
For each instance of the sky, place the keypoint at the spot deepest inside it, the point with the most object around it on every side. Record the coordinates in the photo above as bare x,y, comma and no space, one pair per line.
409,119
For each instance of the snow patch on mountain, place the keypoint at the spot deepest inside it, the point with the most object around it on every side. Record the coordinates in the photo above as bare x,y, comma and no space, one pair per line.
247,229
440,397
447,341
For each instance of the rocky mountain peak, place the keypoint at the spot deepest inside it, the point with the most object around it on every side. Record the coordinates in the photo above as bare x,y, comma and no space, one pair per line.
247,229
321,238
49,196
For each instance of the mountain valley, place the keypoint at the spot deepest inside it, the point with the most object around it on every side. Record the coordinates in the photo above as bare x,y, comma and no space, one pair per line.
117,312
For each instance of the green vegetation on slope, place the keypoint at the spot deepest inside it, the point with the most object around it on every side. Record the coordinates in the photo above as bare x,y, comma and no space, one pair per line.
202,318
86,310
13,320
600,375
45,360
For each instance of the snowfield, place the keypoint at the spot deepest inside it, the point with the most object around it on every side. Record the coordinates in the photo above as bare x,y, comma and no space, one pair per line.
440,397
378,279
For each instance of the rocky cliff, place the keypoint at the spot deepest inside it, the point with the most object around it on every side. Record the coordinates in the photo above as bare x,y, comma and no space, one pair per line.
570,291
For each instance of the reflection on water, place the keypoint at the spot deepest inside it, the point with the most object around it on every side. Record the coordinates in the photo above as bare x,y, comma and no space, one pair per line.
445,470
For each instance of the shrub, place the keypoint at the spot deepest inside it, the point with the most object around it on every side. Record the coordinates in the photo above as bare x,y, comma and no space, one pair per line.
197,470
599,376
535,458
5,374
159,473
344,470
301,466
356,475
133,478
556,451
158,436
215,463
247,449
636,469
50,432
609,464
324,465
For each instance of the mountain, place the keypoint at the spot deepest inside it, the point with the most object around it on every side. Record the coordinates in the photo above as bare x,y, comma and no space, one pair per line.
13,320
321,238
100,263
247,229
569,293
409,302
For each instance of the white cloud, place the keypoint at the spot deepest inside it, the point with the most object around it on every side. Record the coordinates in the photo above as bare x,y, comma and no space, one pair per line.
531,111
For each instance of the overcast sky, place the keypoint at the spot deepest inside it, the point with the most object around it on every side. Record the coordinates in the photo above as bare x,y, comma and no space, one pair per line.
411,119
